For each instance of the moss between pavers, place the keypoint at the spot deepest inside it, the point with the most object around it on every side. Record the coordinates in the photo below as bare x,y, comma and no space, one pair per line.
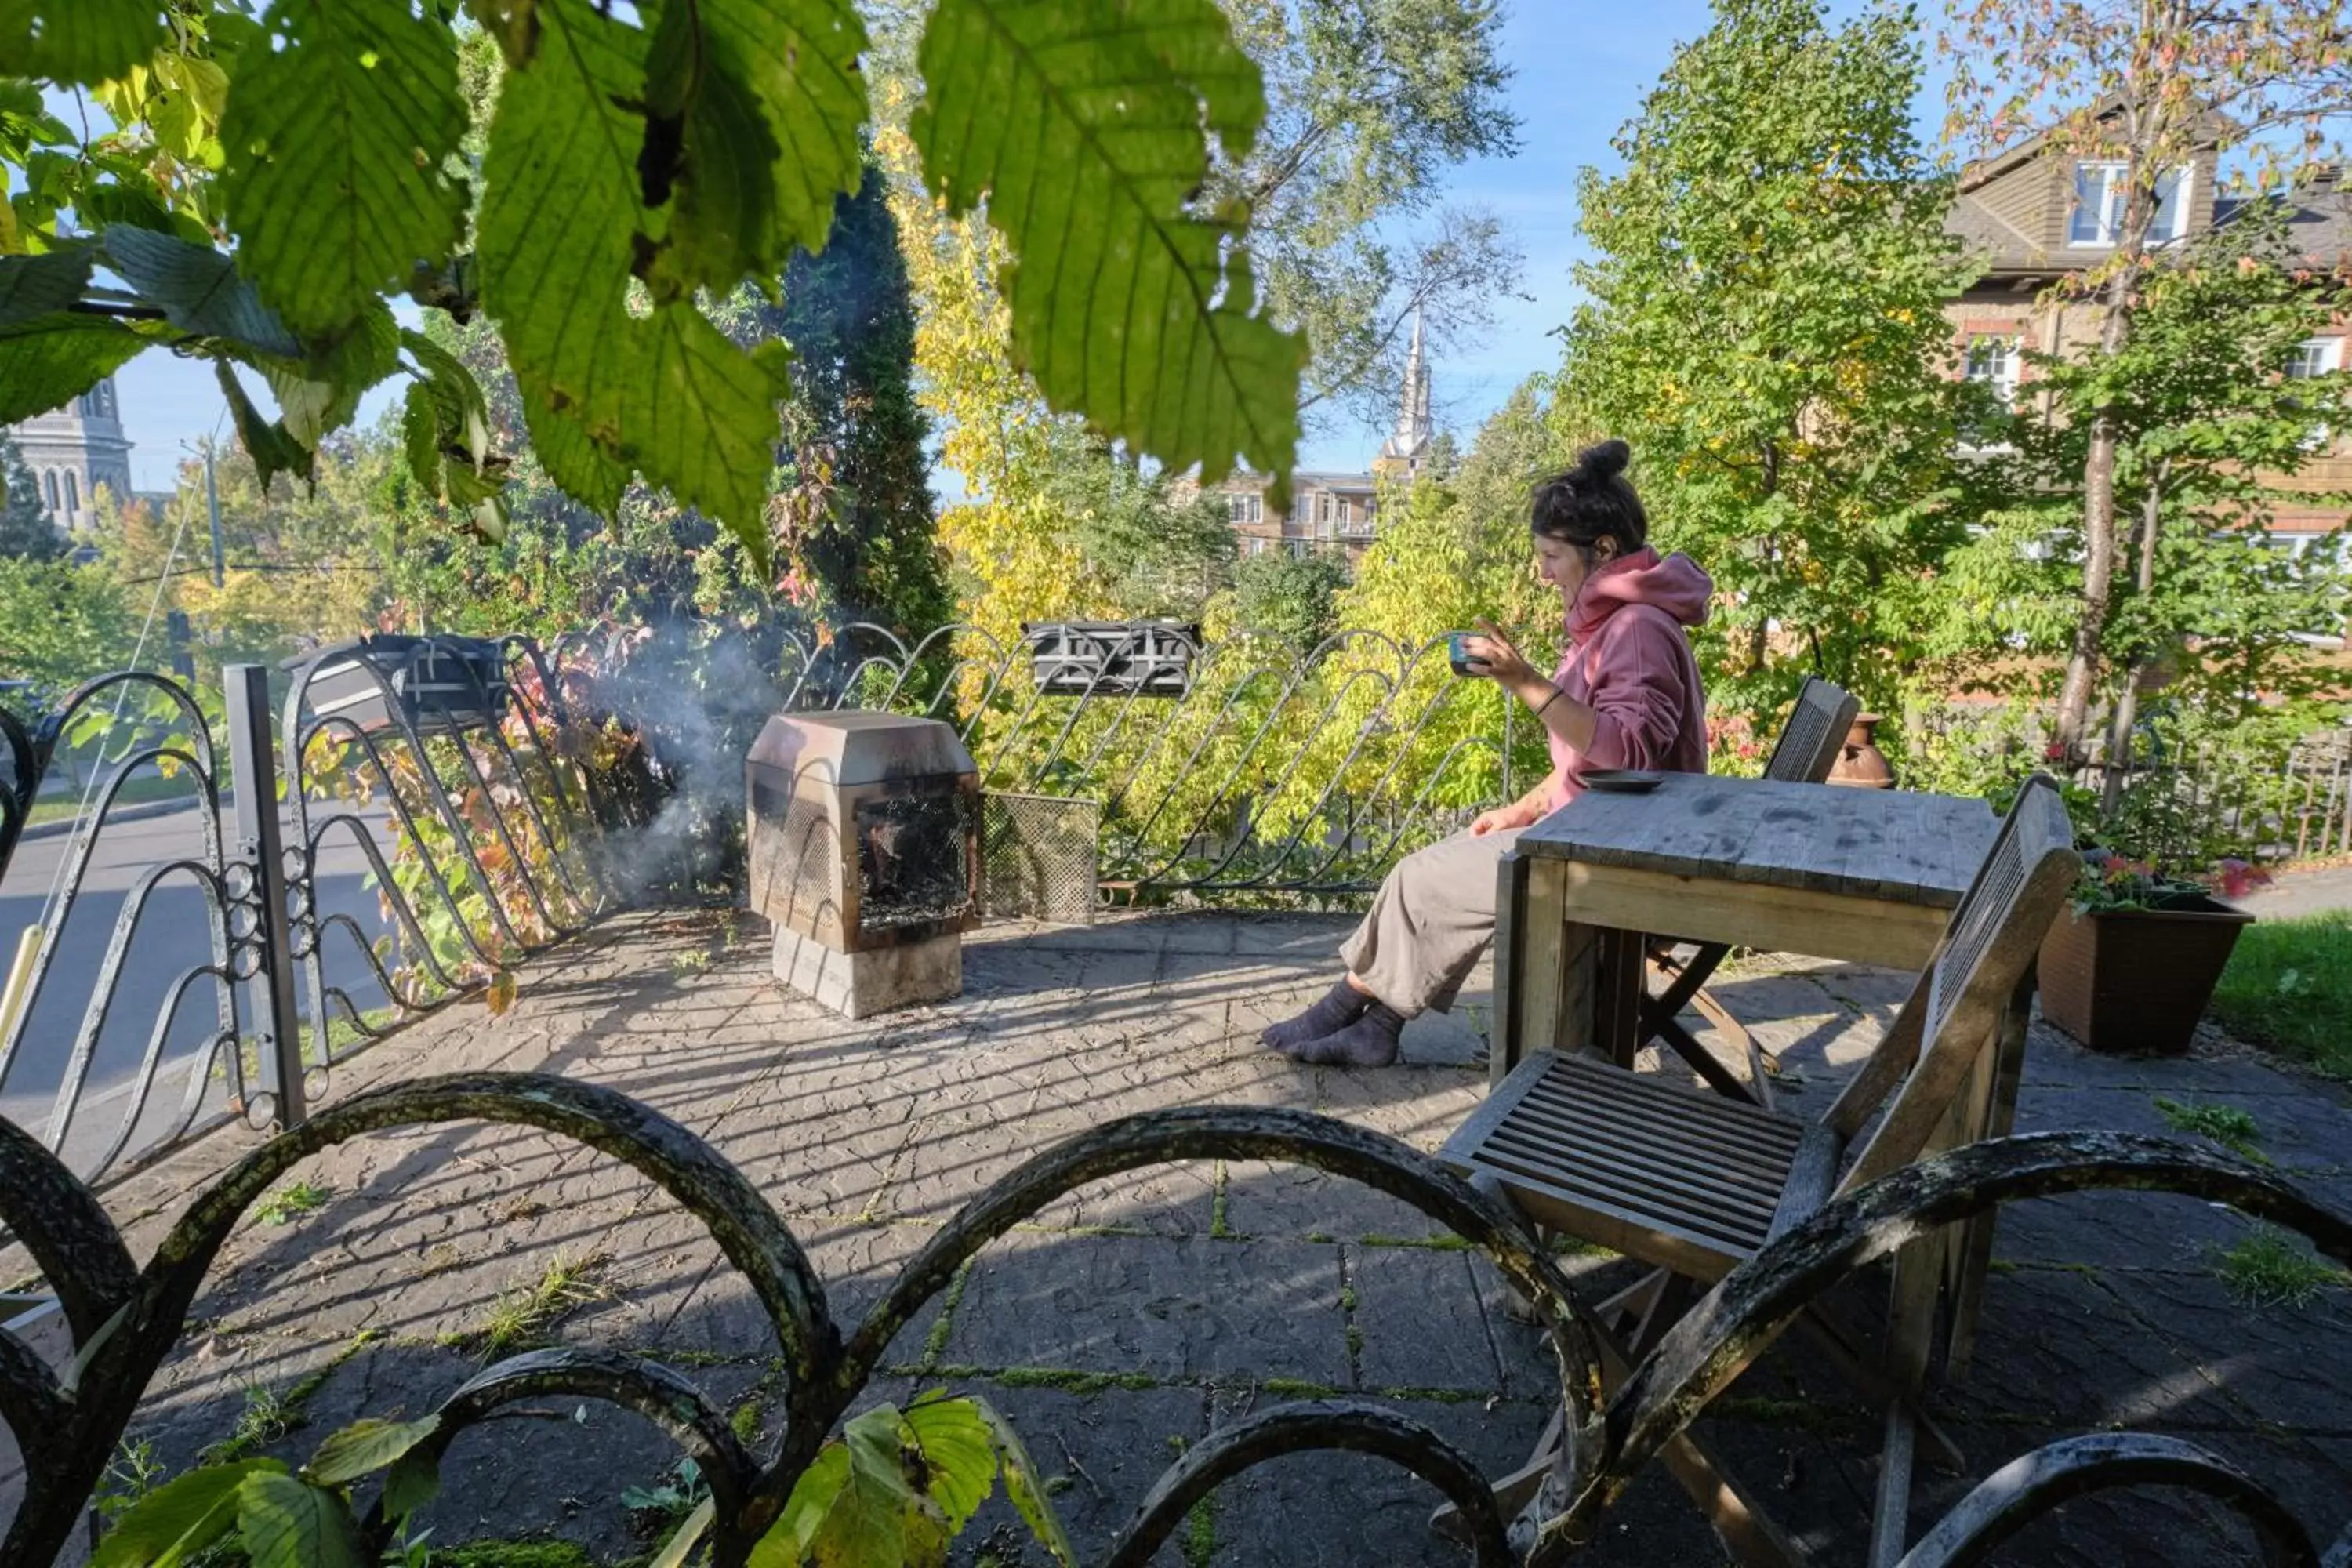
269,1414
935,1344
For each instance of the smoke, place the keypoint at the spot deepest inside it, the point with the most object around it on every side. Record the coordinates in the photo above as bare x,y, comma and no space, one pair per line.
695,696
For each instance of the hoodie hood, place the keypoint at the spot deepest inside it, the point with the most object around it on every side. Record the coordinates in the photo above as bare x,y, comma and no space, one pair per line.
1676,585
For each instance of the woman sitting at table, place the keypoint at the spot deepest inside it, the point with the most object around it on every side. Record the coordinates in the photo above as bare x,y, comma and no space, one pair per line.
1626,695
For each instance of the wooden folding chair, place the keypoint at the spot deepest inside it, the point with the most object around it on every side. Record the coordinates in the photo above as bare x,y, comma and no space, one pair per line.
1696,1183
1807,750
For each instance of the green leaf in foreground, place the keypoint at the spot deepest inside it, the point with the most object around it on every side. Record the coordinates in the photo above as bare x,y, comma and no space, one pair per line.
197,289
559,216
273,451
348,121
958,1459
1082,125
81,41
182,1518
855,1505
36,285
563,227
1026,1488
288,1523
365,1446
48,361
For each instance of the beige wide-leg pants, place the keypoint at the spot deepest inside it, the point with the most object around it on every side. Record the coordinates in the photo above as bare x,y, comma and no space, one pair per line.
1432,917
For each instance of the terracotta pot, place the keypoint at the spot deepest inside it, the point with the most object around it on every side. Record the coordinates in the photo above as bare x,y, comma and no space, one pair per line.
1861,764
2135,981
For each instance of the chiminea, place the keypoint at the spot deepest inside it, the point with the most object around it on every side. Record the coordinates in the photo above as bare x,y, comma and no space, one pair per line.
864,854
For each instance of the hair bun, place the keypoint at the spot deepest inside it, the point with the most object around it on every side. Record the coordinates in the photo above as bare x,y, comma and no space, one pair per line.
1604,460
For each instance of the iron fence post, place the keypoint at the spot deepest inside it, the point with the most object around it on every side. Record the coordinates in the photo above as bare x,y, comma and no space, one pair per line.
253,768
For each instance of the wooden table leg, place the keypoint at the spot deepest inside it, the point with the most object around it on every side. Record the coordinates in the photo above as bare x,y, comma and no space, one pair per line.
1617,994
1544,982
1509,1045
1750,1533
1910,1342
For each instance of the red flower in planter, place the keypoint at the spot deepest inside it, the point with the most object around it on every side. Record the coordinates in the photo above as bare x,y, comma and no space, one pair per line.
2235,879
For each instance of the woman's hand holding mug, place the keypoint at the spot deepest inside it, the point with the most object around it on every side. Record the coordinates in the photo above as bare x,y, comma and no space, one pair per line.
1492,656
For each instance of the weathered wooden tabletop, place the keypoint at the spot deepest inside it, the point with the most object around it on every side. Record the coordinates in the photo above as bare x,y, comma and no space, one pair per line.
1895,845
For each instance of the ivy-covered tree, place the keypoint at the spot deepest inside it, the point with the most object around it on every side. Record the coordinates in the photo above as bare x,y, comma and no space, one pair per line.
256,189
864,529
26,532
1764,324
2151,88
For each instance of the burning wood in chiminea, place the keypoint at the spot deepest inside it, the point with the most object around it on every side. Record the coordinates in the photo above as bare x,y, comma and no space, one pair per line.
864,853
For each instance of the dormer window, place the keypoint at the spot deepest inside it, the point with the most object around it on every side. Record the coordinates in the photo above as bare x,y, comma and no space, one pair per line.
2099,190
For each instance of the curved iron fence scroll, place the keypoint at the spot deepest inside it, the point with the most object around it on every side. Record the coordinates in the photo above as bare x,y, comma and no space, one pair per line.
507,790
124,1318
1268,770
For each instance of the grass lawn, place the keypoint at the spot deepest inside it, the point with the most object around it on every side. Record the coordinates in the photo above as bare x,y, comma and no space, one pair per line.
145,787
2289,986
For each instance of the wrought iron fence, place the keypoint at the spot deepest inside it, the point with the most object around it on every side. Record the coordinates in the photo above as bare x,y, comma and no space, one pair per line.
439,817
2186,800
1266,770
124,1319
372,847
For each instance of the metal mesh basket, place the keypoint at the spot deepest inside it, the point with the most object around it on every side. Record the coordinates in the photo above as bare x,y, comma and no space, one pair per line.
1039,857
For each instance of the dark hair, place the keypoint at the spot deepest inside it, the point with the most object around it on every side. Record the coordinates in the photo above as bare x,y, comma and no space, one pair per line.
1592,501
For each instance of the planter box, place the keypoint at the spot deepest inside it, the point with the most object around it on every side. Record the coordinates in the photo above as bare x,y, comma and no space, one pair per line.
1111,658
443,684
2135,981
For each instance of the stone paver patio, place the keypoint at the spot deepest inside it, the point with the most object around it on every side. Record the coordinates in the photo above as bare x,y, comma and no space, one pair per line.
1136,1316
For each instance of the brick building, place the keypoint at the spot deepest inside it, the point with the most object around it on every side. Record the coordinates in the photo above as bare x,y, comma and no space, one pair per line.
2038,213
1336,511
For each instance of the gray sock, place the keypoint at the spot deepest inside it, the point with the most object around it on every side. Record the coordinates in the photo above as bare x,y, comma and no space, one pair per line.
1369,1042
1335,1009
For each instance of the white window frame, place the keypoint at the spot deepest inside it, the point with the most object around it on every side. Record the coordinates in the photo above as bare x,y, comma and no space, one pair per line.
2329,351
2110,216
2003,374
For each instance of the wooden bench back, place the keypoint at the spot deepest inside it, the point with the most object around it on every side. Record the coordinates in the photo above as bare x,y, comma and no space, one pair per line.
1815,733
1956,1008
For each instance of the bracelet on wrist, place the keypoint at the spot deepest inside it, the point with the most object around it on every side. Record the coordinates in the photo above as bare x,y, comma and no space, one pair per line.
1556,695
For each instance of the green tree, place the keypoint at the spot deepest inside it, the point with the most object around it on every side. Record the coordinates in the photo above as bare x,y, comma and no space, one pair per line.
62,623
1371,103
639,159
1764,324
26,532
1155,552
864,532
2206,428
1289,596
2154,87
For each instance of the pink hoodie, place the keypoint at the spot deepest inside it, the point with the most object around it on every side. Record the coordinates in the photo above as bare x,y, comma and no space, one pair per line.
1628,659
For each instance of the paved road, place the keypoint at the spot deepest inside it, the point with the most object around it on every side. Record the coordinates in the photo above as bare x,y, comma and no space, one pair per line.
2297,894
173,935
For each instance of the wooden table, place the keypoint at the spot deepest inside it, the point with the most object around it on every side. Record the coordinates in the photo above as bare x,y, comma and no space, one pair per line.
1864,876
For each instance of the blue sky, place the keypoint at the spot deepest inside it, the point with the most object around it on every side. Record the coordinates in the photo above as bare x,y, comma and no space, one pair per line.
1581,67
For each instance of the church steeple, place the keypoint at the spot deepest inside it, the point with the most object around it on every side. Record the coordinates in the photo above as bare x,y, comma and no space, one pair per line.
1407,447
